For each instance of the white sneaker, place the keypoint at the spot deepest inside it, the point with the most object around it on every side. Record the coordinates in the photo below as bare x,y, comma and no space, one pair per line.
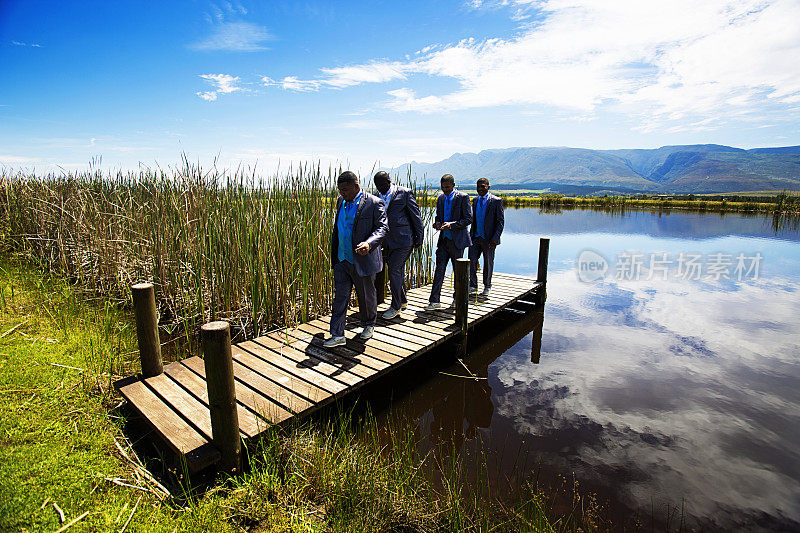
334,341
366,333
390,313
486,291
433,306
473,290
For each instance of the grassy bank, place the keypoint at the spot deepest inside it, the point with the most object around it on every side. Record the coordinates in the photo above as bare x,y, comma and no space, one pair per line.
63,449
782,204
217,245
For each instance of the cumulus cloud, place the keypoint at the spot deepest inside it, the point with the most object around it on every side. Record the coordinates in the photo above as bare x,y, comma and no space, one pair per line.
224,84
235,37
661,61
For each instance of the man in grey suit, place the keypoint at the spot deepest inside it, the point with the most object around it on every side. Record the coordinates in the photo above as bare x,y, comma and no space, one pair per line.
453,215
405,233
358,232
489,219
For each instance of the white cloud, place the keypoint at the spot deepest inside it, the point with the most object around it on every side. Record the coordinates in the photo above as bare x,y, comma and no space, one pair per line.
291,83
20,43
348,76
662,61
236,37
373,72
225,84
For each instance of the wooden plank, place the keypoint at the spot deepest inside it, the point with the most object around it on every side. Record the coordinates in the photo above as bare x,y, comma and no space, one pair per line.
179,435
389,329
293,373
344,370
278,393
390,343
196,385
187,405
389,353
364,366
378,356
404,324
267,411
369,358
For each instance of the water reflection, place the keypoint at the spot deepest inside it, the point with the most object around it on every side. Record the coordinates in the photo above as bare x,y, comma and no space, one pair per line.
668,391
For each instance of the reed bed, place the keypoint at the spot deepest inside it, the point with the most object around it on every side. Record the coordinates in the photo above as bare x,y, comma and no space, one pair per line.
217,244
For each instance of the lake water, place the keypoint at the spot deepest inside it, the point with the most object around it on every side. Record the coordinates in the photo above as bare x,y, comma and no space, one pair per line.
669,380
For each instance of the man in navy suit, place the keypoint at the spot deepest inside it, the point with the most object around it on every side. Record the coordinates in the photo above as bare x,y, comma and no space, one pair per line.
487,213
405,233
356,257
453,215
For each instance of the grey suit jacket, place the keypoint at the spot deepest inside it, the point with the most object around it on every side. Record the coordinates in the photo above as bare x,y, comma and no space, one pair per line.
405,221
493,221
369,226
460,214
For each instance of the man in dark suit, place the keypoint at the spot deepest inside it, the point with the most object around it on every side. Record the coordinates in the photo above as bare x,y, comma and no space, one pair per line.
453,215
358,232
488,217
405,233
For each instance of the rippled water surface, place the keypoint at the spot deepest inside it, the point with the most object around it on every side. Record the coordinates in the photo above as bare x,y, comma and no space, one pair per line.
654,388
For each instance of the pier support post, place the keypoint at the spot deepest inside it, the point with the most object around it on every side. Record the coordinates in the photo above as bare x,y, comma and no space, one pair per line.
144,306
221,393
461,286
541,273
536,341
544,252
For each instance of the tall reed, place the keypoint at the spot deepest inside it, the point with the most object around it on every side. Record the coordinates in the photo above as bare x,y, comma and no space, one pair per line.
217,244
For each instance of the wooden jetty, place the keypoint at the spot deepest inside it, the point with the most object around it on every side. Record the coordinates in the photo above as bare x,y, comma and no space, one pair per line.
202,407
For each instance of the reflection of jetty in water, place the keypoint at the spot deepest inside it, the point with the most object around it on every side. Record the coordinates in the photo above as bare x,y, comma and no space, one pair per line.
452,406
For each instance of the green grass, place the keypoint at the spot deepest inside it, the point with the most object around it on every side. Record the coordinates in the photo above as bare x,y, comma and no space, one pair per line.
61,442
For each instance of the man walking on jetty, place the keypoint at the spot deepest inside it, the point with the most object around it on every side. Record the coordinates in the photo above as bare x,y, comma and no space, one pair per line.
358,232
453,215
487,213
405,233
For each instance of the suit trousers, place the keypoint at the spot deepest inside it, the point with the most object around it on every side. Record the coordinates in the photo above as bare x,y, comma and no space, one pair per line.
395,259
446,249
481,246
345,278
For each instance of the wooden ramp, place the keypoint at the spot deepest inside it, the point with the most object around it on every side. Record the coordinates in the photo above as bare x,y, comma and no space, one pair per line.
287,373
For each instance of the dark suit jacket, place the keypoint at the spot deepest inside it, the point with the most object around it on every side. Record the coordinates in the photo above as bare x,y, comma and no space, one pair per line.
461,214
494,220
369,225
405,221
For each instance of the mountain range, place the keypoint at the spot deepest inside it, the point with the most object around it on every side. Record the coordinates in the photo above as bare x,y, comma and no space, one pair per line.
696,168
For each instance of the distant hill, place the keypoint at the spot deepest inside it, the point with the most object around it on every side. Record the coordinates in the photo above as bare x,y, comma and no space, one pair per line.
697,168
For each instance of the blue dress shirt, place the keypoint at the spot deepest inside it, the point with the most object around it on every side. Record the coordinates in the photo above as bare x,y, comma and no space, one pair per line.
448,206
344,226
480,215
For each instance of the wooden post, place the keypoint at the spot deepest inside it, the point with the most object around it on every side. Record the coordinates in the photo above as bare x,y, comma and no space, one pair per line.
544,252
380,285
461,284
221,393
144,306
536,341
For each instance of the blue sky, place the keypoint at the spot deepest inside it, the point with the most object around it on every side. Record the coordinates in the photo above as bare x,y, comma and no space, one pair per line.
368,83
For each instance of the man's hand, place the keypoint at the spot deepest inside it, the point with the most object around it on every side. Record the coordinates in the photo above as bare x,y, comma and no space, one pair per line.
362,248
437,225
445,226
493,243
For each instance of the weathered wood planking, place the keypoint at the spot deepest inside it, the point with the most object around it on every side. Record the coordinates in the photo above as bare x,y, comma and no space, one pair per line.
288,373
